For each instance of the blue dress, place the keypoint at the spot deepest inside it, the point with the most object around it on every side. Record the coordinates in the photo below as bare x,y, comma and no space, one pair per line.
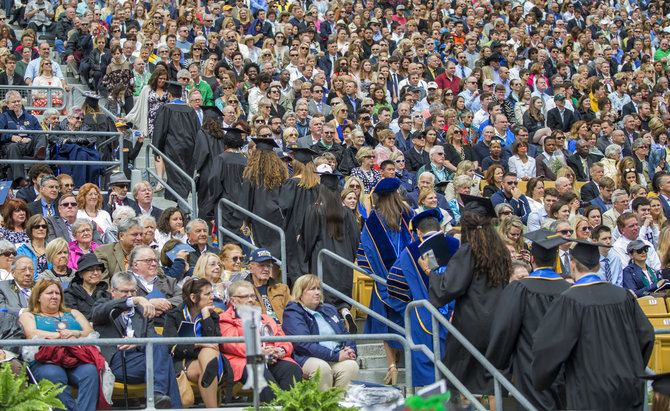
378,250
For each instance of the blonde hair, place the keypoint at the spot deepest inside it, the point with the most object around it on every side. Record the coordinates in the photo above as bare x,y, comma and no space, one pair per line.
54,247
199,269
303,283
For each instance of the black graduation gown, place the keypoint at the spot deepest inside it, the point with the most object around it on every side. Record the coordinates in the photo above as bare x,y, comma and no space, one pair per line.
175,130
225,181
265,204
520,310
475,305
599,332
315,238
206,149
294,202
100,122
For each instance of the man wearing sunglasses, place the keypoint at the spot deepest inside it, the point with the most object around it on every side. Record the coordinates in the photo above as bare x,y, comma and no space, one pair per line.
61,225
118,193
510,194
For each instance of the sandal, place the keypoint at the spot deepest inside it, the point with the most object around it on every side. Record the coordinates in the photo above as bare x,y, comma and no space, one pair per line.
391,377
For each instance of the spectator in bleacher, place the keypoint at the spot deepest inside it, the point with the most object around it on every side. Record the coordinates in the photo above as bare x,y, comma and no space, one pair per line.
119,71
149,230
118,192
89,202
86,286
10,77
49,119
510,194
30,192
7,255
16,146
38,231
62,28
232,257
114,255
611,269
82,232
92,70
629,227
15,214
58,254
60,226
22,63
133,316
40,14
46,202
79,46
197,233
46,78
176,266
271,294
170,226
112,234
307,314
203,363
32,71
143,194
15,292
44,319
66,183
161,291
281,369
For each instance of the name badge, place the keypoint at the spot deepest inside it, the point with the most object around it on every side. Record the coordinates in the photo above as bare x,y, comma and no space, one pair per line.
61,325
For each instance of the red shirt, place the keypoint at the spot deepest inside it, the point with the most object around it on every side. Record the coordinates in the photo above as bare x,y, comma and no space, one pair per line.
443,82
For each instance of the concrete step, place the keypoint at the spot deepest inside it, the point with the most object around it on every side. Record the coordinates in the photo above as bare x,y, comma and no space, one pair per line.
376,375
371,349
372,362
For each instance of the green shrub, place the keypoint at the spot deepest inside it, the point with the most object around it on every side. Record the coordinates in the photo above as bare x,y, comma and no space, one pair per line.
17,395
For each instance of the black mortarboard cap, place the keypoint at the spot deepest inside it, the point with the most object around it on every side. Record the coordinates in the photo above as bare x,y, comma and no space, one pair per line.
331,180
586,252
387,185
545,244
212,111
478,205
92,99
235,131
660,382
175,88
304,155
265,144
431,213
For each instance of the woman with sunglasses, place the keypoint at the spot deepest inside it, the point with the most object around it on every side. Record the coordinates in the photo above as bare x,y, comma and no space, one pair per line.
46,78
581,227
7,255
37,231
638,276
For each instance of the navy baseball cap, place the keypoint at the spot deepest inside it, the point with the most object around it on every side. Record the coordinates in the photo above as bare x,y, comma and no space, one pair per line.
260,255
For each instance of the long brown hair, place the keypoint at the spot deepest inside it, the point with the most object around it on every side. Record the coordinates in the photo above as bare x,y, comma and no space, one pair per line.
488,249
266,170
391,208
307,173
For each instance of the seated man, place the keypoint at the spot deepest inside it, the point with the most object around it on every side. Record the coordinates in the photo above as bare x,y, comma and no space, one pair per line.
144,195
17,145
46,204
198,238
118,193
60,225
271,295
113,255
132,317
40,14
14,293
162,291
30,192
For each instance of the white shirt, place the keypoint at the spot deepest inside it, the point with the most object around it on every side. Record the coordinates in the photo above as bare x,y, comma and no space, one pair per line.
32,69
522,169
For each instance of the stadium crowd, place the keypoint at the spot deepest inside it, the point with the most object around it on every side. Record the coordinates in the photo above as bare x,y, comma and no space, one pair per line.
358,127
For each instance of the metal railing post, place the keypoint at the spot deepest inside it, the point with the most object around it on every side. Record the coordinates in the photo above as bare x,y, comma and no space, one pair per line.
149,358
328,253
221,230
26,93
193,207
437,349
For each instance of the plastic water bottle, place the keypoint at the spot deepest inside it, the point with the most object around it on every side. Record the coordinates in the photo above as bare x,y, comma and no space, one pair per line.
44,31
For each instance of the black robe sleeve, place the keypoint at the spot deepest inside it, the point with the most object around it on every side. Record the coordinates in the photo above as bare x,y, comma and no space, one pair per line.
455,281
506,325
161,125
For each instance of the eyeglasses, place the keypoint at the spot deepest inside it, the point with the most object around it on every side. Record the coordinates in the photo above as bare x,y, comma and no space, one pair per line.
266,135
585,228
368,156
245,297
116,31
150,261
197,49
441,153
566,232
260,120
121,186
367,105
185,79
232,101
630,170
236,258
400,161
67,205
8,253
38,226
507,212
47,63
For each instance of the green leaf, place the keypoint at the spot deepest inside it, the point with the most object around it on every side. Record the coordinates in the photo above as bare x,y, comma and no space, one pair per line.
15,395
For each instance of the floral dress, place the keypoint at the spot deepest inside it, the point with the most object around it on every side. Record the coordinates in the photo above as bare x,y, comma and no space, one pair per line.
155,102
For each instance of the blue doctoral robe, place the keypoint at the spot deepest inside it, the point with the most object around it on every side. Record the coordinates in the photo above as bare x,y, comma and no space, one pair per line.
408,282
378,250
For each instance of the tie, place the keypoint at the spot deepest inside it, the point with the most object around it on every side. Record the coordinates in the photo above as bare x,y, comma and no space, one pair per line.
566,262
318,105
26,294
462,72
606,267
49,212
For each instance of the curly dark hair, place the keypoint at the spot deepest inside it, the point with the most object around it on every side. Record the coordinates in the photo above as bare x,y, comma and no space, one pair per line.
153,80
163,224
8,209
213,128
266,170
488,249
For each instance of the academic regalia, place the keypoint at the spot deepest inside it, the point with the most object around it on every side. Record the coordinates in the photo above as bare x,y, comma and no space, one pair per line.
519,313
175,132
475,305
295,201
225,182
207,148
265,204
600,334
379,249
408,282
315,238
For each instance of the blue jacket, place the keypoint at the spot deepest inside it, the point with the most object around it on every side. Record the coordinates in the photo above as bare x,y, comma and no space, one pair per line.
521,206
25,121
632,280
655,158
28,251
603,206
297,321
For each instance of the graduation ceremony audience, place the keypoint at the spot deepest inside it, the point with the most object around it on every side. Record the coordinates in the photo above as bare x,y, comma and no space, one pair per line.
533,133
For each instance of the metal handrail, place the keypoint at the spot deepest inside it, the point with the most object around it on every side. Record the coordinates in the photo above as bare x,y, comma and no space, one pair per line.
102,109
193,207
221,230
116,163
328,253
30,98
497,376
149,342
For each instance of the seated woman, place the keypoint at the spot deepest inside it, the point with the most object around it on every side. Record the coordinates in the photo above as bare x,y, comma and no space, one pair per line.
179,267
15,214
170,226
209,267
306,314
58,253
86,287
281,369
638,276
45,316
82,232
203,362
7,254
38,231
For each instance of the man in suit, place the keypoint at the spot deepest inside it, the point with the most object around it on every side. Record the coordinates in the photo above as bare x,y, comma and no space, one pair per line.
629,129
327,62
114,255
46,205
14,293
544,161
604,198
29,193
562,227
132,317
327,28
559,117
143,194
664,194
314,135
118,193
61,225
590,190
197,232
631,106
351,99
9,77
581,161
316,104
619,206
161,291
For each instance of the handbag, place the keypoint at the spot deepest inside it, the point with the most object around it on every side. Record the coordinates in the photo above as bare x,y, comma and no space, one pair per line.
185,389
